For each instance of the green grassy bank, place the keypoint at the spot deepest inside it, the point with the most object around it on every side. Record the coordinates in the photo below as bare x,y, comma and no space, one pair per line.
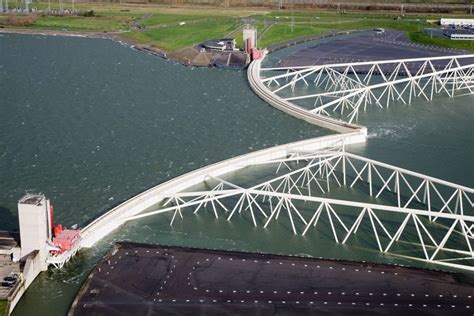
3,307
173,28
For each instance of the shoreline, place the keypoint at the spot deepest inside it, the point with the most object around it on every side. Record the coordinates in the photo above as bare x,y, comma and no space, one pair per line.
188,56
113,36
172,56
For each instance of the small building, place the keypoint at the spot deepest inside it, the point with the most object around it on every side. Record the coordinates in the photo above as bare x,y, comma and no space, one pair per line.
10,245
222,44
459,34
457,22
65,239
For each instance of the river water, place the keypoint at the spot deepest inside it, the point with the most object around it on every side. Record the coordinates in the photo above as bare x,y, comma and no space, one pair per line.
91,123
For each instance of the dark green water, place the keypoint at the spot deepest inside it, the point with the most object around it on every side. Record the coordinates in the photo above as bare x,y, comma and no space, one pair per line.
91,123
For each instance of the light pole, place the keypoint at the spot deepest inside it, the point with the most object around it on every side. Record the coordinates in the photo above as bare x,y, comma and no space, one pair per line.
292,17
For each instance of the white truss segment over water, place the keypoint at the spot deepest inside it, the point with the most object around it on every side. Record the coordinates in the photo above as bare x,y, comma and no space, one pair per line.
408,214
114,218
439,212
348,88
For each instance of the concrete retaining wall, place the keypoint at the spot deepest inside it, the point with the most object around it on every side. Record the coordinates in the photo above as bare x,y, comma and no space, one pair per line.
15,297
33,266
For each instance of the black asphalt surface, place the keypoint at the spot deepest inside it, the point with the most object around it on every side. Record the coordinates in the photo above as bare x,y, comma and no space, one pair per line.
137,279
367,47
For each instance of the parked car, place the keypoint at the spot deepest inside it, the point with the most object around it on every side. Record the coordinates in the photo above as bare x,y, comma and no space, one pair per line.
8,283
10,278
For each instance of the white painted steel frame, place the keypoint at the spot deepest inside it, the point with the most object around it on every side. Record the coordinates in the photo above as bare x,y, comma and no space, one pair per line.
326,164
58,261
421,201
111,220
351,87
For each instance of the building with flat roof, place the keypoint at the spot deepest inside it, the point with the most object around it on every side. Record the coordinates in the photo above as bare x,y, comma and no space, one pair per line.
457,22
221,44
459,34
10,245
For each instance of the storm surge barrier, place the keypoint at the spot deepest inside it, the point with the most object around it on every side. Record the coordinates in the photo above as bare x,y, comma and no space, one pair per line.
111,220
408,214
342,90
399,212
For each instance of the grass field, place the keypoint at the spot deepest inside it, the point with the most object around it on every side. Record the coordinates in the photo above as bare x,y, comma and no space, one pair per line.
3,307
419,37
174,37
308,23
158,19
162,29
81,23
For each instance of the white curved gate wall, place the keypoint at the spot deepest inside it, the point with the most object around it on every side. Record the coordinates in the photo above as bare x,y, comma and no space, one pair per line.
253,75
111,220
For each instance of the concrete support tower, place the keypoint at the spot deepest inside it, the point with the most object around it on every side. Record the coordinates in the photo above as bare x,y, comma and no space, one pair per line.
35,226
250,38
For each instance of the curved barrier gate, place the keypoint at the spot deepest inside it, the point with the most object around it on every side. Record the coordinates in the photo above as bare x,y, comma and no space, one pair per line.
431,218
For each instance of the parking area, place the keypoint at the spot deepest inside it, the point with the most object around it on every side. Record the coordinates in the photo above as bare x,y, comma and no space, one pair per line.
369,46
9,270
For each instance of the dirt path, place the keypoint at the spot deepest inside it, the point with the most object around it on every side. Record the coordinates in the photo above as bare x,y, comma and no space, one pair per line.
136,23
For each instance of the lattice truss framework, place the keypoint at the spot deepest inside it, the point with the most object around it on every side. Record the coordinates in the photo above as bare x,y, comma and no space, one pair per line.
58,261
348,88
428,215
